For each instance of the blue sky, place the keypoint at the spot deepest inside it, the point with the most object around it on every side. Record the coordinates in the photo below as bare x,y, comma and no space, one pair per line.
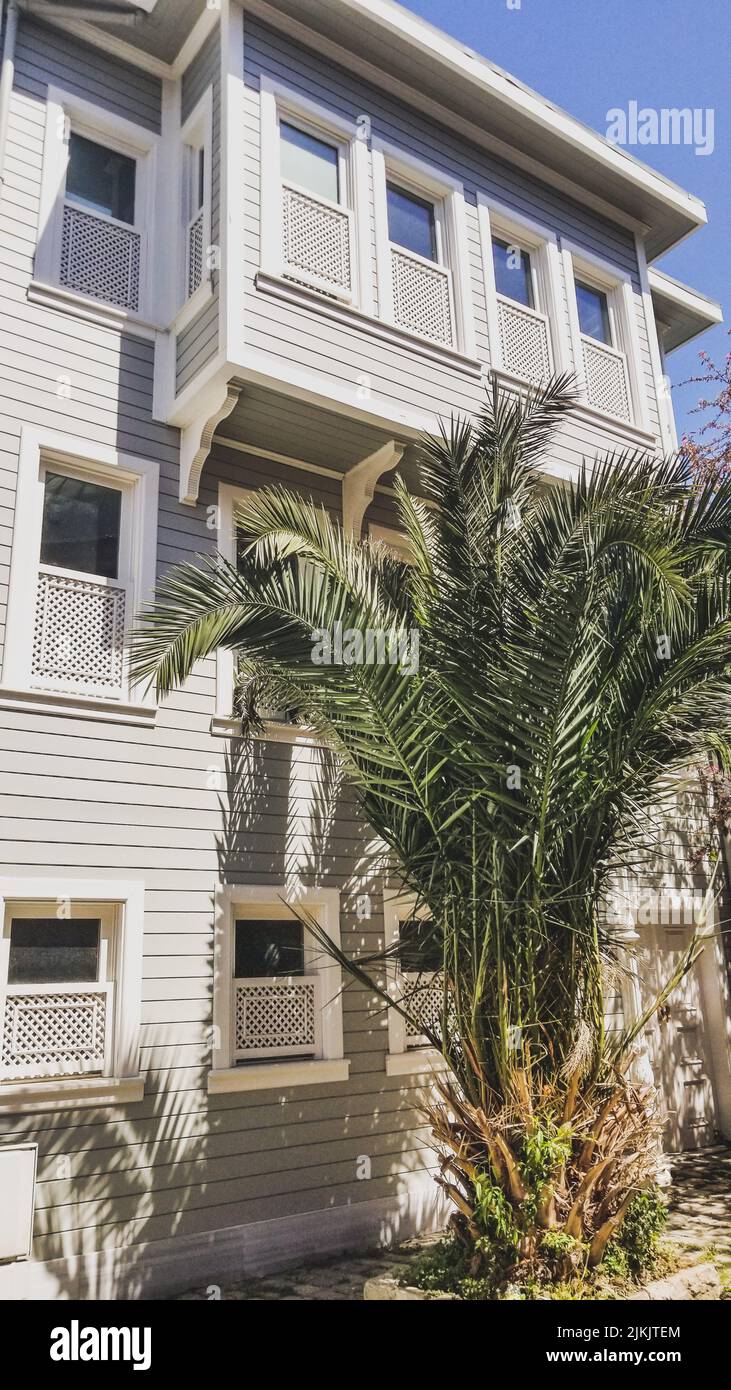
590,56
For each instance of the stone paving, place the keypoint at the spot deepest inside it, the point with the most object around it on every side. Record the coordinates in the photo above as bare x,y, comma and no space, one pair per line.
700,1219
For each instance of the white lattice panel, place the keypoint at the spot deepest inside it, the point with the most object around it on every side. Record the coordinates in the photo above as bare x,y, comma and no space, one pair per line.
606,379
524,342
195,254
316,239
421,297
274,1018
424,997
100,258
78,639
61,1032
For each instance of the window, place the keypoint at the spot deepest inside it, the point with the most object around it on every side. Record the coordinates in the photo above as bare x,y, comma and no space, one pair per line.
525,311
309,163
606,352
277,1006
59,989
415,971
81,525
513,276
411,222
97,208
423,282
101,179
83,558
70,991
593,311
196,175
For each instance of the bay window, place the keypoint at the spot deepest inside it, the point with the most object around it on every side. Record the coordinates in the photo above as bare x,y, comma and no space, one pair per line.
196,175
97,204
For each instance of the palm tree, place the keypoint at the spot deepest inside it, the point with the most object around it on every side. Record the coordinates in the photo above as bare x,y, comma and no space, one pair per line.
574,644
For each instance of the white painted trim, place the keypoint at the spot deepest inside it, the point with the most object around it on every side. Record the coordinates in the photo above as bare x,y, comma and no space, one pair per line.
500,220
140,478
229,498
71,707
359,484
272,1076
232,214
389,161
202,29
215,403
323,903
63,110
617,285
129,896
683,295
668,433
195,133
97,1091
277,99
82,306
416,1062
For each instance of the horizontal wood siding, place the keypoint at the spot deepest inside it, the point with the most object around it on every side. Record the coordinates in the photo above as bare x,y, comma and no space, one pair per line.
287,334
198,343
47,56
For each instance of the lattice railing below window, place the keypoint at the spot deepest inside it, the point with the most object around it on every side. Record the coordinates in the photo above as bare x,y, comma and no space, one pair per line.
316,240
100,258
422,297
55,1030
607,387
524,341
424,997
78,638
276,1018
195,254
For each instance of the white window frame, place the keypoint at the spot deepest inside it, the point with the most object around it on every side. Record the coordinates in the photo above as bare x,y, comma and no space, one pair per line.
617,285
196,134
66,112
331,1065
499,221
400,1060
120,900
394,165
278,102
138,480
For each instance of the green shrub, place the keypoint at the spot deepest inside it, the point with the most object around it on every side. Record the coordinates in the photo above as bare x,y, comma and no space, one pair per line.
636,1244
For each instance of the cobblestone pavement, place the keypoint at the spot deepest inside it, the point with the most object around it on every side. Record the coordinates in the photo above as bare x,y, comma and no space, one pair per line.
700,1217
700,1203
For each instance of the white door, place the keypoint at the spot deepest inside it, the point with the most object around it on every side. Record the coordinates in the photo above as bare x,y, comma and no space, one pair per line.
677,1040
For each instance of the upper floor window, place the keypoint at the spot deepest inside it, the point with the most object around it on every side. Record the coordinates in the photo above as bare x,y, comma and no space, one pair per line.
423,284
523,293
81,525
606,352
412,222
309,162
513,272
593,310
97,202
196,195
101,179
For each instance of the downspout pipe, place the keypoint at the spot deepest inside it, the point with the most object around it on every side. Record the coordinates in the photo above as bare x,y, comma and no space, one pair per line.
7,73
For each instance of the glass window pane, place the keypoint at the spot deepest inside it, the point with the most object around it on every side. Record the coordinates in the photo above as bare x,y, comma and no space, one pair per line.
593,313
268,948
80,525
101,179
411,222
420,947
512,272
50,950
309,162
